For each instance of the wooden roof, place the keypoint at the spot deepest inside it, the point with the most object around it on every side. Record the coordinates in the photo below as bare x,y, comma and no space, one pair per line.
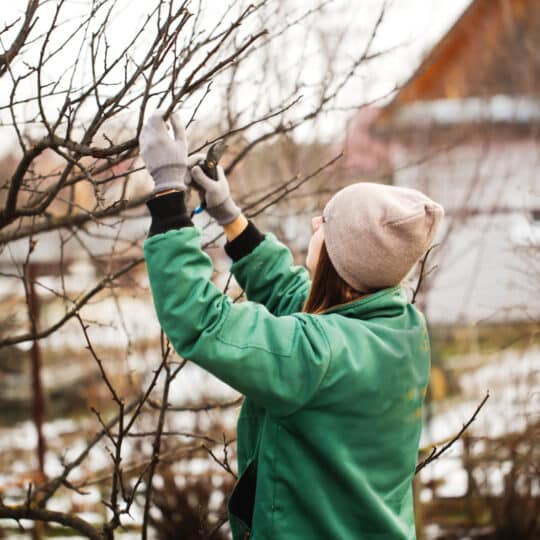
492,49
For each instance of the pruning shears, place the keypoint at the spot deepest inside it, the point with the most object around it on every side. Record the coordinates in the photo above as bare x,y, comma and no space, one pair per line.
209,167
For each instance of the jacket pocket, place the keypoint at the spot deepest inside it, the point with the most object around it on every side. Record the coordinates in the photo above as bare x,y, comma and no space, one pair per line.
242,499
247,326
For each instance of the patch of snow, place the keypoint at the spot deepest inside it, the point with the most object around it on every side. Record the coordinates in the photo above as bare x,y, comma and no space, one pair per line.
512,379
22,436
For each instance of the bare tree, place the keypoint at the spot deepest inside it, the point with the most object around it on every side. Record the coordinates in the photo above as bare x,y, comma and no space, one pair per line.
80,79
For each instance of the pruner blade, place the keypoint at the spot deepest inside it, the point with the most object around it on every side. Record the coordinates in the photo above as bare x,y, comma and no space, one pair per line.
209,167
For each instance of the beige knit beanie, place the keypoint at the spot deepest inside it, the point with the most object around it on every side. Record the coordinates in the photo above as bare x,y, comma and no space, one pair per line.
375,233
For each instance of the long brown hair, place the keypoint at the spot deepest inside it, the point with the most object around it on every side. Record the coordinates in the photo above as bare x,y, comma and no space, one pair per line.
328,289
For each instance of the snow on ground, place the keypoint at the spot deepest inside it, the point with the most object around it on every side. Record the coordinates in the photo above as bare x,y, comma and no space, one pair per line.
512,378
21,441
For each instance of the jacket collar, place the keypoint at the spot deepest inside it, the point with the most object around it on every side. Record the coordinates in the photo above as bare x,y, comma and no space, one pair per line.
373,305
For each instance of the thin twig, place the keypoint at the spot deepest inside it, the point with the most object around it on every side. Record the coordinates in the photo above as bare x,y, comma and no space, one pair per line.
435,454
423,274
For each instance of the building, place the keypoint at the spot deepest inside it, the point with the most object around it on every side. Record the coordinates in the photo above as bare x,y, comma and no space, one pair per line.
465,129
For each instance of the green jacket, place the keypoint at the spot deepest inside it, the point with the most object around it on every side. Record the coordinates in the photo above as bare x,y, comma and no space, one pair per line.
328,433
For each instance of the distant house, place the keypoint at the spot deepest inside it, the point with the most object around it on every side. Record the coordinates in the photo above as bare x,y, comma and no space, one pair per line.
465,129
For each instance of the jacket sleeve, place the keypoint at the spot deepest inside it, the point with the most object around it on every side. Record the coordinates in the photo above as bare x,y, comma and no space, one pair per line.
279,362
268,276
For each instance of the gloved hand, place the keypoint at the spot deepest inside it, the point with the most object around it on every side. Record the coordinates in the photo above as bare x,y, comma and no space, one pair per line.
164,157
217,194
191,162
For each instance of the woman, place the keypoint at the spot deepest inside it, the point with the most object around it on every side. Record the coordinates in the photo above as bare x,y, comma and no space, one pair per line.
334,371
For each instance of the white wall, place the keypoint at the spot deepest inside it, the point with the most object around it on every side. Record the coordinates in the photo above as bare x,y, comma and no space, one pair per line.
489,263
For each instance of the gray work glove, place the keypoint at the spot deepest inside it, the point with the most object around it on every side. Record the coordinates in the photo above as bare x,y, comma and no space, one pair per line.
217,194
164,157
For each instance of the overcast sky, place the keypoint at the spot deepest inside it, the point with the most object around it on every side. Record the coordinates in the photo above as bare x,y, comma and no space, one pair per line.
414,26
411,26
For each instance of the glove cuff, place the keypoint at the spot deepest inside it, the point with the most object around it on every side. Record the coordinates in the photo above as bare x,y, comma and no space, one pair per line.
226,212
169,176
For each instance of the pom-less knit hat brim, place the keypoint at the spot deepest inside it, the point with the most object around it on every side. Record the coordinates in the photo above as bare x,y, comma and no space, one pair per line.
375,233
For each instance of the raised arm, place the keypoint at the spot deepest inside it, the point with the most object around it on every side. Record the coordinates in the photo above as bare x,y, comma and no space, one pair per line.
264,268
279,362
